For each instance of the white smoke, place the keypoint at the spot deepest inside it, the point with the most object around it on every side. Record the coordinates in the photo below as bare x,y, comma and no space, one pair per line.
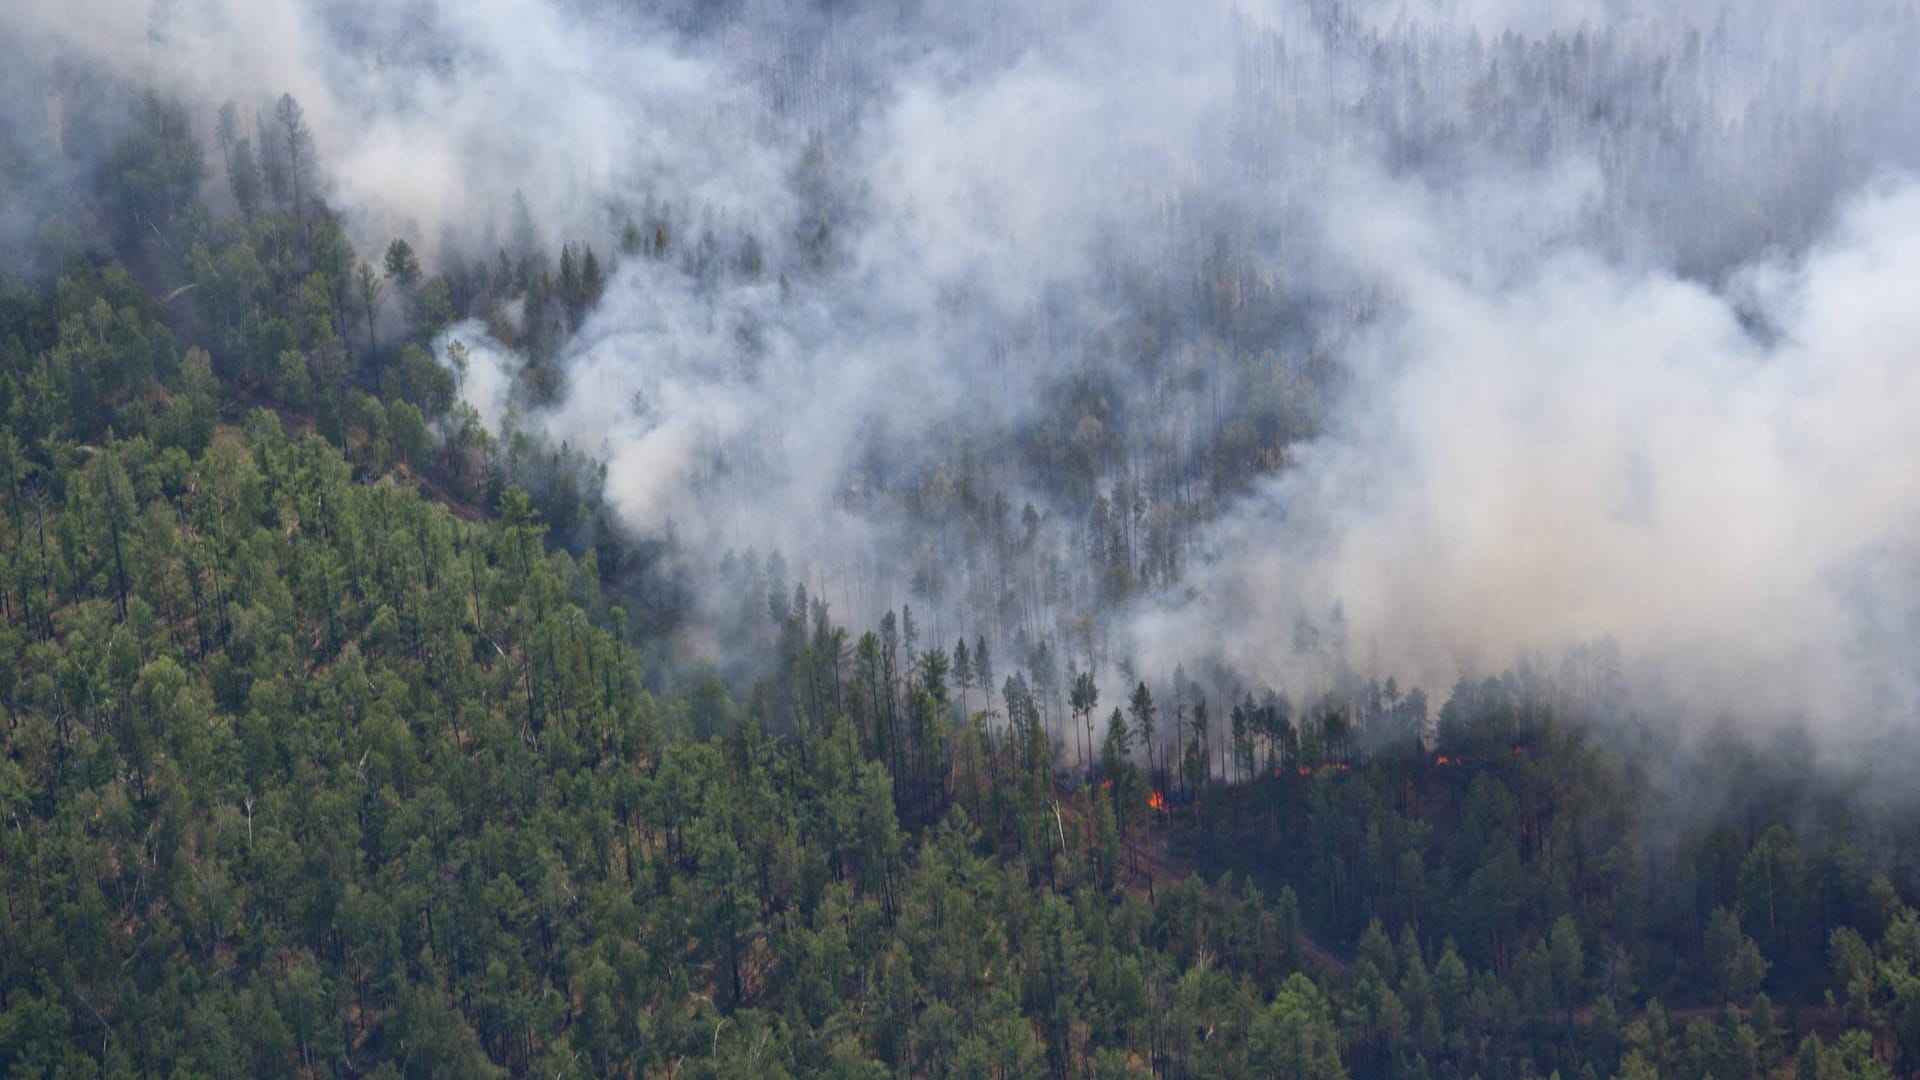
433,116
1621,362
1586,452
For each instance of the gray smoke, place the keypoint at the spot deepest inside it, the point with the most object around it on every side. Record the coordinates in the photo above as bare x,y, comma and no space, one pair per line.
1580,452
1568,320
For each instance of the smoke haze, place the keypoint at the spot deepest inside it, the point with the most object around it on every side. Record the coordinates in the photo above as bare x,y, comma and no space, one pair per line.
1549,322
1585,453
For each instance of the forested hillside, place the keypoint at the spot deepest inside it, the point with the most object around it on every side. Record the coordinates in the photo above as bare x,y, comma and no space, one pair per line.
305,773
360,722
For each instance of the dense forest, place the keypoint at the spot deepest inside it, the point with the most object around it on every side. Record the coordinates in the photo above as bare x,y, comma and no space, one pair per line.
356,723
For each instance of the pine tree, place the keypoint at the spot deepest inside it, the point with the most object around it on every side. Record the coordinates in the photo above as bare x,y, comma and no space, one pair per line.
1140,706
296,139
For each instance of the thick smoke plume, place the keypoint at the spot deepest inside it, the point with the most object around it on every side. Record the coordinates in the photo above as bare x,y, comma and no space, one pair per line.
1489,327
1583,452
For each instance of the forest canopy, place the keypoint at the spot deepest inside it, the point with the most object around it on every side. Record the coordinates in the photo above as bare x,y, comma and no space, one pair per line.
876,547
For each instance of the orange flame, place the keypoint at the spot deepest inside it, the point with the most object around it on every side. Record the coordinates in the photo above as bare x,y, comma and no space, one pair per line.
1443,760
1157,801
1304,771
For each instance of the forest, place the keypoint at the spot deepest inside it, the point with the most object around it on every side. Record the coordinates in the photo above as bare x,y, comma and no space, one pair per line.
833,638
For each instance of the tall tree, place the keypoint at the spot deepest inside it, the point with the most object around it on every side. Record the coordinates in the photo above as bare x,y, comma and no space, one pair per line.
1084,699
1141,708
369,288
243,177
297,140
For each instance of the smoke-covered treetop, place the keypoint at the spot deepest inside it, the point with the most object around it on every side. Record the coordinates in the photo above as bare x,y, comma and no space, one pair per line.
1158,332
